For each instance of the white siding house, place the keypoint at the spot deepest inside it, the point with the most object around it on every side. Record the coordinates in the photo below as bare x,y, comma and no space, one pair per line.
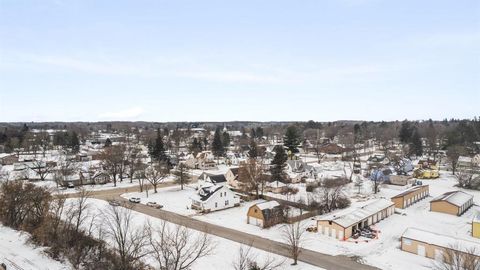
213,198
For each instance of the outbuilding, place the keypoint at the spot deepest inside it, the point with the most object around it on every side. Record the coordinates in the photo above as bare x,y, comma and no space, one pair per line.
453,203
265,214
433,246
476,226
410,196
346,223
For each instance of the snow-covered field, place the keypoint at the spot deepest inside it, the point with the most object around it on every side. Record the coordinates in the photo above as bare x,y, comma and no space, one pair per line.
17,253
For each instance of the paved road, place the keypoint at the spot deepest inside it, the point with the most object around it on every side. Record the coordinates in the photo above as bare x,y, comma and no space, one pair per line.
308,256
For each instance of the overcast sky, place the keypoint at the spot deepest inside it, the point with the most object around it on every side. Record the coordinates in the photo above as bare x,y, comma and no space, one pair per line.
239,60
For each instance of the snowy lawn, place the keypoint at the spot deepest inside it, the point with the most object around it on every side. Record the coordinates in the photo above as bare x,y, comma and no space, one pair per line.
172,198
17,253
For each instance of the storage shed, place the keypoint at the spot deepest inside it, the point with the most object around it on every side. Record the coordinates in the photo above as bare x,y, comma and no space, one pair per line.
410,196
346,223
453,203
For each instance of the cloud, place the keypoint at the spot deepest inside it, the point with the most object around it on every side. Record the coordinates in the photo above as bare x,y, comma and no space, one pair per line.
232,76
95,67
129,113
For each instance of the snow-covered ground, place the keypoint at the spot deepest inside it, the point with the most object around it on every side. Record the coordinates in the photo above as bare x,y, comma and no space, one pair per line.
225,251
17,253
172,198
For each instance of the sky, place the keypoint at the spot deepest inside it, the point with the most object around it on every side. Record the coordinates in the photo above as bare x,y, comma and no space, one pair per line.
269,60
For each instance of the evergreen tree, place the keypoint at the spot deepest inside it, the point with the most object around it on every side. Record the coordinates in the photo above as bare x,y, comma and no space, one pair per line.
405,133
196,146
157,149
253,152
205,143
226,139
291,140
217,145
416,143
108,142
278,164
253,133
259,132
74,143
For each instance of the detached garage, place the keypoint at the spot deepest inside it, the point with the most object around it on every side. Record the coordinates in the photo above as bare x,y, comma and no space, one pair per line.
265,214
344,224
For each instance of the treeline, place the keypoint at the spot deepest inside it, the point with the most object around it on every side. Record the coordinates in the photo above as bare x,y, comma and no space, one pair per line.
24,206
13,138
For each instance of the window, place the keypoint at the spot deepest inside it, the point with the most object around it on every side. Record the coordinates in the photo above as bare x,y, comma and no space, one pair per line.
220,194
226,202
216,205
255,210
407,242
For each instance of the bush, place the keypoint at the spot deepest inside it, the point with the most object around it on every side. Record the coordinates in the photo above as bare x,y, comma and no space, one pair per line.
343,202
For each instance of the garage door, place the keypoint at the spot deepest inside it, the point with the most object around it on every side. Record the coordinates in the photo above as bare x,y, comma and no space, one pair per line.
333,233
340,235
421,250
256,221
439,255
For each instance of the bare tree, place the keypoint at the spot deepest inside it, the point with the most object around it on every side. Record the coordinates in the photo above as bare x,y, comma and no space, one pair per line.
251,174
458,258
77,213
65,168
330,192
130,241
177,248
41,168
43,140
182,175
247,261
293,235
453,153
140,175
133,161
113,161
156,173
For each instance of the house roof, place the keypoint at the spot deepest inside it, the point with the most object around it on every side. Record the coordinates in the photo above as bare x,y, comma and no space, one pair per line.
205,193
408,191
442,240
457,197
267,205
350,217
218,178
464,159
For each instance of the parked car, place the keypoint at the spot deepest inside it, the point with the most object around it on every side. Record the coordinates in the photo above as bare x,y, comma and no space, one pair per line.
70,185
154,205
134,200
114,203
